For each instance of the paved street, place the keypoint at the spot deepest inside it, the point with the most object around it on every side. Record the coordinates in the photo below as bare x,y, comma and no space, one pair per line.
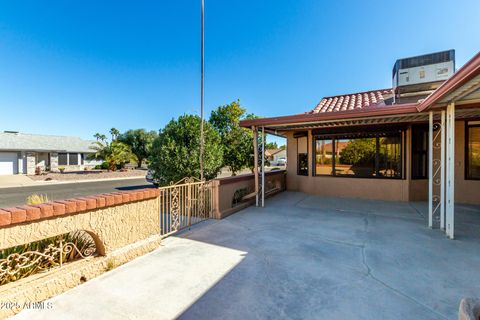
16,196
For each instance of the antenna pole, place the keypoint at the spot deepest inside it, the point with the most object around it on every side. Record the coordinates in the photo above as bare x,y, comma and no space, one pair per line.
202,86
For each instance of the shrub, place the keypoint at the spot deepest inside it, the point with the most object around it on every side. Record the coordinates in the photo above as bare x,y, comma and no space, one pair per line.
175,152
238,195
61,169
37,199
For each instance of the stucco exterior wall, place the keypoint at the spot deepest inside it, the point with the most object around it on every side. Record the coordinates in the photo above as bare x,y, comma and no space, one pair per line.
225,188
466,191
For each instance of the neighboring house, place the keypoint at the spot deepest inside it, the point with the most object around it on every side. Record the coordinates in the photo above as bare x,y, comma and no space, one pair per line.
419,140
273,155
22,153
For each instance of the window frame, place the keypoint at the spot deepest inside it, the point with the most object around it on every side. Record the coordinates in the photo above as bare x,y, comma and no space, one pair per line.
66,158
298,136
71,157
467,142
423,127
377,134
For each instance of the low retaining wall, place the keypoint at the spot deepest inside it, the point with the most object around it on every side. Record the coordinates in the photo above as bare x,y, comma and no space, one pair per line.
113,220
225,189
123,225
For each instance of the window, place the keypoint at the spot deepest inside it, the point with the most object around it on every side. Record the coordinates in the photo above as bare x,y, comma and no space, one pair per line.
364,155
62,159
473,150
73,159
323,156
419,152
302,155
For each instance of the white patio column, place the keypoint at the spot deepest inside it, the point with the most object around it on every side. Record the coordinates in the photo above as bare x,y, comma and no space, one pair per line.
430,169
442,171
263,166
450,172
255,161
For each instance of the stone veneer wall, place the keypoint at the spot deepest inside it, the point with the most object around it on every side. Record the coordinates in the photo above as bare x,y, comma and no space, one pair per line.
31,163
54,161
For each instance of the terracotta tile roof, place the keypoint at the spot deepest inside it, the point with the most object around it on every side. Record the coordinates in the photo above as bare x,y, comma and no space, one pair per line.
354,101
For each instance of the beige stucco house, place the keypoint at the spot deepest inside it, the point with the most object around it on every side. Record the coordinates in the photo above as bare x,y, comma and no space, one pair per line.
419,140
23,153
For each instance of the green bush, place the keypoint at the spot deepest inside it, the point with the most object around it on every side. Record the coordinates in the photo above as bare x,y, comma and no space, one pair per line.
175,152
103,166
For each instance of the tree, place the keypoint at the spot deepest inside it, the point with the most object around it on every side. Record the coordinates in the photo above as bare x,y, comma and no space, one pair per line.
271,145
237,142
100,137
358,152
114,132
115,153
140,141
175,152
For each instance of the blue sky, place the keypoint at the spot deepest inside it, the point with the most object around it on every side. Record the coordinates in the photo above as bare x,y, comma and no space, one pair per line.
80,67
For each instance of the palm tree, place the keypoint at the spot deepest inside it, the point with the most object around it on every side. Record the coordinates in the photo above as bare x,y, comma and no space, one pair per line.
114,132
115,153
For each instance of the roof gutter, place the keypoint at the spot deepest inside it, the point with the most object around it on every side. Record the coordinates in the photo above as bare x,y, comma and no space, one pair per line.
463,75
339,115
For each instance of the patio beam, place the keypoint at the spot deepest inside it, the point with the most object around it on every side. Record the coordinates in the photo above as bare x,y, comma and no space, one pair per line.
442,170
430,169
450,192
255,161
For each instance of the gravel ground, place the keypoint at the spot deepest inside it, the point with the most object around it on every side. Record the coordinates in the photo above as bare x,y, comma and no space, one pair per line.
88,175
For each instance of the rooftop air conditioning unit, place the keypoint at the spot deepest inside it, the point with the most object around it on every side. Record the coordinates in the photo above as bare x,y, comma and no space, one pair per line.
422,74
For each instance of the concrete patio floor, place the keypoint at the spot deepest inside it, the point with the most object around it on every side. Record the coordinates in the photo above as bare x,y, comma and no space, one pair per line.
300,257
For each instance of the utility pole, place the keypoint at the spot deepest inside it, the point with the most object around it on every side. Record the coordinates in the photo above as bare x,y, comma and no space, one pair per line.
202,87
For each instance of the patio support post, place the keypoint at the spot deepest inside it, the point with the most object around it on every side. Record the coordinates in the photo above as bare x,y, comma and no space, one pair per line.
263,166
442,170
255,161
450,192
430,169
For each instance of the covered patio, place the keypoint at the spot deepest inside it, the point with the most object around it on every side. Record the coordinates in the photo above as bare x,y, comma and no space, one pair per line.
386,145
299,257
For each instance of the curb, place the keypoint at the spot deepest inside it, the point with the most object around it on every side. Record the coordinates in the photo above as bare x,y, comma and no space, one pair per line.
54,182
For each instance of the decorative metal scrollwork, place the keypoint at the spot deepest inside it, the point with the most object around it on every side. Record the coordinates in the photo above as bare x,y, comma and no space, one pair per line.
436,169
21,264
175,208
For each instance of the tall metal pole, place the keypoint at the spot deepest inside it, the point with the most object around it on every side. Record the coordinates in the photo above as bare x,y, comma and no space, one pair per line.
263,166
202,87
255,161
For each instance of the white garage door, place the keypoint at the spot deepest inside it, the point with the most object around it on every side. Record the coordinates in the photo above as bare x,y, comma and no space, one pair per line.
8,163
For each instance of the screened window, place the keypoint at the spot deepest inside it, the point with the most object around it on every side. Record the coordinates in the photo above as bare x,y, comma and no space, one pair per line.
73,159
302,156
419,152
369,155
62,159
473,150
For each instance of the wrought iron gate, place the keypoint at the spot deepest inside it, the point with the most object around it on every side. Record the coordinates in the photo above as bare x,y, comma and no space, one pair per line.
183,204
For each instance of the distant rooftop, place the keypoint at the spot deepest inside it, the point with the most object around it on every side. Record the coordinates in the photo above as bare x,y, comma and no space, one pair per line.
17,141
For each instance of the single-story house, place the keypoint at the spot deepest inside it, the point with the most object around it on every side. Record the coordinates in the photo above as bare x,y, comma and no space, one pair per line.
273,155
418,140
22,153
